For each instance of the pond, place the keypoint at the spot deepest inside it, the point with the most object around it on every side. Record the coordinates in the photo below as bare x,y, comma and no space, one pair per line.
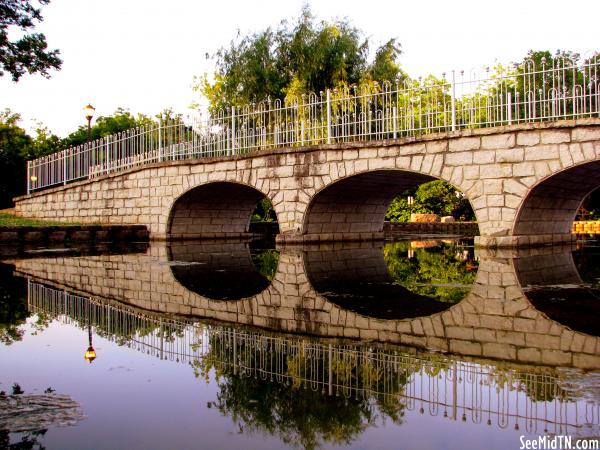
414,344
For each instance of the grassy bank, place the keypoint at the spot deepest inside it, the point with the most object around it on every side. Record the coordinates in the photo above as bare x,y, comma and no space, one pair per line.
10,220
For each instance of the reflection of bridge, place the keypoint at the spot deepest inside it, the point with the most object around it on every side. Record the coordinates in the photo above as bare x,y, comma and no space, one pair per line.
495,320
532,401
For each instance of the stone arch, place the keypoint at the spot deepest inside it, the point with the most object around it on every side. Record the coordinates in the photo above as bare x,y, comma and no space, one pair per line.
358,203
211,210
551,205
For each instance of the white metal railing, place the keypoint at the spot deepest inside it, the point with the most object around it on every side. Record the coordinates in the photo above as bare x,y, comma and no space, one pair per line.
562,89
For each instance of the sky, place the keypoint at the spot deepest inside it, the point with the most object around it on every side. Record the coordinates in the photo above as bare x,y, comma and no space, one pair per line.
142,55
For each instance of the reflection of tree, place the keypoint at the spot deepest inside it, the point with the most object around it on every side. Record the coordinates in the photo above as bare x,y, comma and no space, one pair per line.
300,417
433,272
307,395
29,441
13,306
266,262
540,387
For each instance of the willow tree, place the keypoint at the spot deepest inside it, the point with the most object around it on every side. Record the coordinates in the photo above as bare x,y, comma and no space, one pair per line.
295,58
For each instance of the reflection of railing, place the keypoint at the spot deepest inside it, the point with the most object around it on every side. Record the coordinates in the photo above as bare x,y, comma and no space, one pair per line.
559,89
535,402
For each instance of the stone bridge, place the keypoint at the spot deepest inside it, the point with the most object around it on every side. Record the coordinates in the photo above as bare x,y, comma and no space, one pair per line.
525,183
497,319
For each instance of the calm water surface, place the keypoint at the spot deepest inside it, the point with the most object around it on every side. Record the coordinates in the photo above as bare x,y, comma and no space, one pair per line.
422,344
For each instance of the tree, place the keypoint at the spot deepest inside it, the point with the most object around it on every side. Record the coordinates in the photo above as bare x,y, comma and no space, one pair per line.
435,197
14,144
28,53
307,56
17,146
120,120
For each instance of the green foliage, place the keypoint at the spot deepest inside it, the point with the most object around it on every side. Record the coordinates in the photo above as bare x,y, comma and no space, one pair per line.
434,197
13,306
27,54
266,262
120,120
307,56
17,146
289,408
9,220
385,67
264,211
432,272
14,145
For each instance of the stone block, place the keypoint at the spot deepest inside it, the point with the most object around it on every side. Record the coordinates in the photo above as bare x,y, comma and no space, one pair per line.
498,141
463,144
420,218
555,136
501,351
529,355
484,157
586,134
542,152
467,348
528,138
514,155
459,159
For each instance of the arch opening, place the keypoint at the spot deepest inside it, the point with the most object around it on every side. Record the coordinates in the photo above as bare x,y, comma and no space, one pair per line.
563,284
361,203
400,280
219,270
552,205
215,210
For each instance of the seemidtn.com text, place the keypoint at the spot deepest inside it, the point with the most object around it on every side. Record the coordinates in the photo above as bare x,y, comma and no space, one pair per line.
558,443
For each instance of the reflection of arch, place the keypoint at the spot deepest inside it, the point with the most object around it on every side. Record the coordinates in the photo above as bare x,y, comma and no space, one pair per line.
218,209
551,205
554,287
357,279
358,203
220,270
495,320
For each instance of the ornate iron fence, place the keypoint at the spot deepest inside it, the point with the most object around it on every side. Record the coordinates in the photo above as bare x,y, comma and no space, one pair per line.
561,89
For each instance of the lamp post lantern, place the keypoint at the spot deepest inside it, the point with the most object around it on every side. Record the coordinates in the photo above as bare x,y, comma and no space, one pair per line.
90,353
89,113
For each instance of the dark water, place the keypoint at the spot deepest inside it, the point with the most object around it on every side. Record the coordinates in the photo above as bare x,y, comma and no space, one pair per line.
422,344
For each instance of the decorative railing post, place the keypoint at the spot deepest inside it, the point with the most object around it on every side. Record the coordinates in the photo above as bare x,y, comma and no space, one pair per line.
64,159
328,116
453,106
28,183
232,152
160,147
394,118
107,156
509,106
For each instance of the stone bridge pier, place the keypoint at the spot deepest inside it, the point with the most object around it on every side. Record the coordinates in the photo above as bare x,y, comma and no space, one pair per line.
525,183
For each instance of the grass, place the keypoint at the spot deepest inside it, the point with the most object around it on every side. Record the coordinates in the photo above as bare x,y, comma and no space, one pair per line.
10,220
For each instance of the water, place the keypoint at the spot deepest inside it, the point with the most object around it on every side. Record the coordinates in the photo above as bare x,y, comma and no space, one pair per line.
421,344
